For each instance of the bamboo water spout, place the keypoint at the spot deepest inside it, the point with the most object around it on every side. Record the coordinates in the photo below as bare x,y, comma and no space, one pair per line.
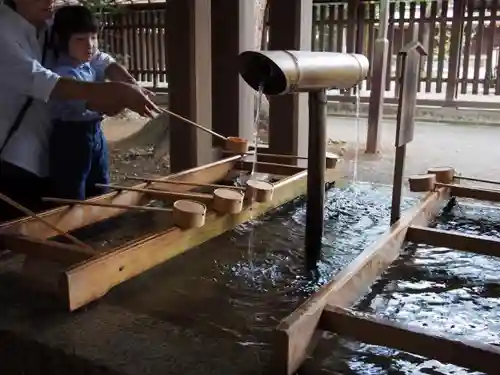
284,72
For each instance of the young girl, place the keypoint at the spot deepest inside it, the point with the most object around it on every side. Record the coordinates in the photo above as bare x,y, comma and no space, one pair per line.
78,150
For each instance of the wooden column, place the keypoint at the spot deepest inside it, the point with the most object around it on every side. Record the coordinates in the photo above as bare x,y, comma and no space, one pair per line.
379,70
188,35
290,28
233,31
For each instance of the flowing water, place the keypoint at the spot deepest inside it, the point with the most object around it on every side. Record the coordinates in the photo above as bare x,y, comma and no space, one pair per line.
358,133
445,291
218,290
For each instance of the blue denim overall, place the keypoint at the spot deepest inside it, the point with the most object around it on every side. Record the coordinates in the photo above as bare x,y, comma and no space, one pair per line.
78,149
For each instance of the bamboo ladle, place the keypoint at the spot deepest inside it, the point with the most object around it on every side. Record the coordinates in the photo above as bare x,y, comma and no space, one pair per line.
158,180
59,231
234,144
108,205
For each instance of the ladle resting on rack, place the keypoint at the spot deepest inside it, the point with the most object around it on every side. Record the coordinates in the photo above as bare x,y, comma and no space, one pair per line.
234,144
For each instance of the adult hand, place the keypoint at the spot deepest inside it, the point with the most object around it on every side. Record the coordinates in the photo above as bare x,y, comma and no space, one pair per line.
114,97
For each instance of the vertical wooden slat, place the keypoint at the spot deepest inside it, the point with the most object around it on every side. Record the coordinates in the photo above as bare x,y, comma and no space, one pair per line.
442,46
315,30
372,12
331,28
390,36
491,36
467,47
162,46
479,49
340,27
401,42
455,50
322,28
430,49
133,43
156,68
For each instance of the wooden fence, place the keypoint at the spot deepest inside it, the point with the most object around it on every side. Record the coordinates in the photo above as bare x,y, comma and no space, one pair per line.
138,36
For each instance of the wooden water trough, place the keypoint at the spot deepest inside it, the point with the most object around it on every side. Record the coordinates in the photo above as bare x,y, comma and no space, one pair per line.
83,275
330,308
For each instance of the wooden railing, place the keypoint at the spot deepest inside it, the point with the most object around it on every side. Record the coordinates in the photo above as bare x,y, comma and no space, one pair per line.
138,36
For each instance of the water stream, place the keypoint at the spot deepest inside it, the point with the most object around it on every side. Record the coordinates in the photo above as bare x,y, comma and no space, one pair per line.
356,150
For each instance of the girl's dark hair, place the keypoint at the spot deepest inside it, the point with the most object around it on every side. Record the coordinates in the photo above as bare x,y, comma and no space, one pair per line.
70,20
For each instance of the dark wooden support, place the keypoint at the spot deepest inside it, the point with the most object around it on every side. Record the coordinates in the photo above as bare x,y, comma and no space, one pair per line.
457,28
290,29
379,69
454,240
233,100
188,35
470,354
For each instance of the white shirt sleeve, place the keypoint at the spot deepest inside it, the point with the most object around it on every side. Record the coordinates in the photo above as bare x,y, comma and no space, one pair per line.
100,63
23,74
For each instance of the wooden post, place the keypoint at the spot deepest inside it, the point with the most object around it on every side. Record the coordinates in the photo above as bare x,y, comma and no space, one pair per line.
410,56
233,30
455,50
376,106
290,29
188,34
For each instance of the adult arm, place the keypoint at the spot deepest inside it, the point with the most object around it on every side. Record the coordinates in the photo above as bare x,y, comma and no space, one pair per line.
69,109
22,74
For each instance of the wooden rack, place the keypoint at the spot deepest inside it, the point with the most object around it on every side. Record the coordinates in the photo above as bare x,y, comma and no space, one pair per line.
329,309
85,276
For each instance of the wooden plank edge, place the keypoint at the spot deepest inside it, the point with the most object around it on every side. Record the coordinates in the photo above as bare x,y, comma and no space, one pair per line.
69,218
271,168
88,281
458,191
469,354
296,331
454,240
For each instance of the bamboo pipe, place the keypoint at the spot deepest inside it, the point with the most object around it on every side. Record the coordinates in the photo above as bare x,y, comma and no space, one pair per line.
157,180
269,155
30,213
109,205
477,180
194,124
167,194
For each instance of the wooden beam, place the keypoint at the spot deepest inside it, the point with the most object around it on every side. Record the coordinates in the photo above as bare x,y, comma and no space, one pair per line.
70,218
271,168
43,249
290,28
454,240
294,333
469,354
473,193
188,33
90,280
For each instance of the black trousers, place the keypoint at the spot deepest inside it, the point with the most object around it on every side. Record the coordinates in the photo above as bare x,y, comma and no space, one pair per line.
23,187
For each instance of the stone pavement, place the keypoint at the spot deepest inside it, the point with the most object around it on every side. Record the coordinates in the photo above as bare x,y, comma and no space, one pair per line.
471,150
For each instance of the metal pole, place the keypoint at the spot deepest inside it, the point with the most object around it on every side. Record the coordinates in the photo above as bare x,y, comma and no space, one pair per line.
316,165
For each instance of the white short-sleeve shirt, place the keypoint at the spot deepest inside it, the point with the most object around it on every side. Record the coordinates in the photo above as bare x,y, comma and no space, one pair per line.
22,76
